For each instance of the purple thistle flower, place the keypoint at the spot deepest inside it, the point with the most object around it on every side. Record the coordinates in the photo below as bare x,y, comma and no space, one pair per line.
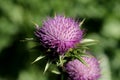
79,71
59,33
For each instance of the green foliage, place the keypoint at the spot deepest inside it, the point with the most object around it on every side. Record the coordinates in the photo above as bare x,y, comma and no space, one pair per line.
16,24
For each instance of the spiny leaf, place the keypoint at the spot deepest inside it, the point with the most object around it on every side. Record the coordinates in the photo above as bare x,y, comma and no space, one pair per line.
81,60
88,42
27,39
82,22
46,66
38,58
36,25
85,55
55,72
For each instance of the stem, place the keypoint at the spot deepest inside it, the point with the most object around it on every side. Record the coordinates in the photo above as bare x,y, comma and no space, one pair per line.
61,62
62,77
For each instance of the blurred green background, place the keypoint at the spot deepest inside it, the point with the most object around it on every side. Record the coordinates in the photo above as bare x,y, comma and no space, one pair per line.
16,23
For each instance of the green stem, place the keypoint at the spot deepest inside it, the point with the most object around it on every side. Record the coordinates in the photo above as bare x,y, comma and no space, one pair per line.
62,76
61,62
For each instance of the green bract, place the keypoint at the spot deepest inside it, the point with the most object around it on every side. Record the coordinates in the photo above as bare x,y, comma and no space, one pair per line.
73,53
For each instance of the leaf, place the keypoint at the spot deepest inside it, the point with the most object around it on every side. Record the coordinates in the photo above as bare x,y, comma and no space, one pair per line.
81,60
85,55
47,66
36,25
88,42
82,22
38,58
55,72
27,39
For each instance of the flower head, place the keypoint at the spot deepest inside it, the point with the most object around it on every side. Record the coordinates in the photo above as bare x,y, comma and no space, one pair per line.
59,33
79,71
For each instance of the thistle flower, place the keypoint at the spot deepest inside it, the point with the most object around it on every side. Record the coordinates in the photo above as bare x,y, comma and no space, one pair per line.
59,33
79,71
